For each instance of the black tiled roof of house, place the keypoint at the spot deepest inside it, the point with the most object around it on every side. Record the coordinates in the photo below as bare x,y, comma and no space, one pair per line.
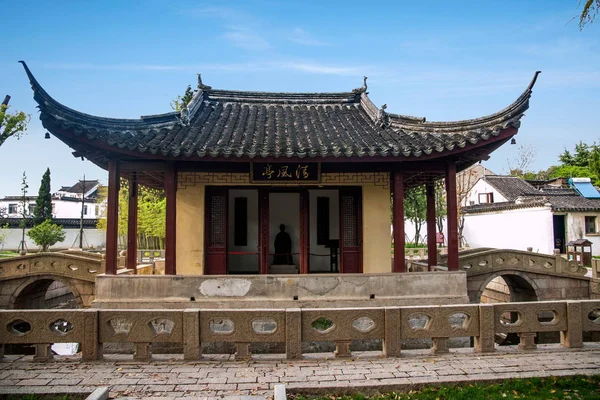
221,123
570,200
19,198
559,199
67,223
511,187
500,206
80,186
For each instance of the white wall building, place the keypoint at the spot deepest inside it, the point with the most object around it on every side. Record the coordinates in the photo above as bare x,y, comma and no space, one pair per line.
67,206
66,202
508,212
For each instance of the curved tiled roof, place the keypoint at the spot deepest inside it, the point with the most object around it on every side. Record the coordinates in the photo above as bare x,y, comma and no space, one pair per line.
511,187
559,200
220,124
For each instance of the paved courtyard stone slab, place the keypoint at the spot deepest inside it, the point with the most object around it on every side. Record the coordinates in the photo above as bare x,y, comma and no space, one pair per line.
216,377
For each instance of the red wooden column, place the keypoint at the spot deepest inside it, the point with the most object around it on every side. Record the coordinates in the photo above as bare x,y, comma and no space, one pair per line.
452,215
264,260
112,217
398,222
304,232
171,219
132,217
431,236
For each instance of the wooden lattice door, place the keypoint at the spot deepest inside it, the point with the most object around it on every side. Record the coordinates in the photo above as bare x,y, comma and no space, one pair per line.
215,228
350,231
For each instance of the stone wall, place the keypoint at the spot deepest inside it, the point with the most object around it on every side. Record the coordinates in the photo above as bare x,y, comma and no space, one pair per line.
267,291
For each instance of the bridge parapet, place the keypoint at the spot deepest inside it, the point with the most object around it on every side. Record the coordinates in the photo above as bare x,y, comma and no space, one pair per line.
293,326
59,264
491,260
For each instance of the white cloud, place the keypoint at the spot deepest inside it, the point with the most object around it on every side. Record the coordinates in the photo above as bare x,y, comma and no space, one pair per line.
318,68
239,28
300,36
247,38
310,67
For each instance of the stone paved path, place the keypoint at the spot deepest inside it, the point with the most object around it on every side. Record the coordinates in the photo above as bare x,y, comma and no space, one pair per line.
169,377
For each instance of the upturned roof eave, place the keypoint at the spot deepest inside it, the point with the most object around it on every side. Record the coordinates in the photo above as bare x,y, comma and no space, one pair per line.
48,104
515,110
127,136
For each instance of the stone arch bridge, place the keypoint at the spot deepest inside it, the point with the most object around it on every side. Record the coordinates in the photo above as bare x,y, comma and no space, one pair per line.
529,276
25,280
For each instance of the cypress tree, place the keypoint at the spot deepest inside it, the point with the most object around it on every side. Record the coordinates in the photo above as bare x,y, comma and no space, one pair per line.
43,204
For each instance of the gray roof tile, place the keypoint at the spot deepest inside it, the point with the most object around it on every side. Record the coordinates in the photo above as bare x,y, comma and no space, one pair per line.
221,123
511,187
559,199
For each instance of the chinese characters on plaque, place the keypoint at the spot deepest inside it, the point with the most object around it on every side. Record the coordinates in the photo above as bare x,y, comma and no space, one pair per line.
292,172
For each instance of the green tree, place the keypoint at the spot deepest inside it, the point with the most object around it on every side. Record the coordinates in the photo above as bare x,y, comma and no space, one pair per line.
181,101
43,203
24,214
440,204
47,234
582,162
581,156
151,215
415,209
11,124
571,171
3,234
589,12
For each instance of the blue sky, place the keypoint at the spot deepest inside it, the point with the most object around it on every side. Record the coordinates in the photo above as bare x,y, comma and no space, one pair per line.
441,60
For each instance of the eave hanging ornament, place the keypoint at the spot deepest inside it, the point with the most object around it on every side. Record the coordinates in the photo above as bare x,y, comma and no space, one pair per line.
47,135
513,141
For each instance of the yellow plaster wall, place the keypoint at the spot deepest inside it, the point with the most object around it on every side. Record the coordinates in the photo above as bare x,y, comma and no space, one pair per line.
190,230
190,216
377,240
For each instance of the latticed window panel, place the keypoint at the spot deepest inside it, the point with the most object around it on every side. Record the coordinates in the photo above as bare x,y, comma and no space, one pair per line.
218,221
350,221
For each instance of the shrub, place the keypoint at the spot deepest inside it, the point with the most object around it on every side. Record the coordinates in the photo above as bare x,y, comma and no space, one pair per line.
47,234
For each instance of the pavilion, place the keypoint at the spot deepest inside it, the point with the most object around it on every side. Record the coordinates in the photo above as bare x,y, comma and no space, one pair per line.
236,165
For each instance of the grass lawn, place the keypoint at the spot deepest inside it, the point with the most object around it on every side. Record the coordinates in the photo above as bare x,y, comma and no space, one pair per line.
571,387
8,254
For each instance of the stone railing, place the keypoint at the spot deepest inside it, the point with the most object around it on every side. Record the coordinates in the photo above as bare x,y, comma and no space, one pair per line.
595,268
144,256
190,328
418,253
488,260
69,265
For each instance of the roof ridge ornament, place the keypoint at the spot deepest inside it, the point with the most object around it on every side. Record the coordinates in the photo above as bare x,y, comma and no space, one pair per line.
201,85
363,88
383,119
184,116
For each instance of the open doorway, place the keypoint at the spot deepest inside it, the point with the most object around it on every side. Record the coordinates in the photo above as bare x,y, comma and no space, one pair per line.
558,222
284,233
322,226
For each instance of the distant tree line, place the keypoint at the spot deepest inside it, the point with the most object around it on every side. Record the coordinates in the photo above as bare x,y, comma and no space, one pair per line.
581,162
